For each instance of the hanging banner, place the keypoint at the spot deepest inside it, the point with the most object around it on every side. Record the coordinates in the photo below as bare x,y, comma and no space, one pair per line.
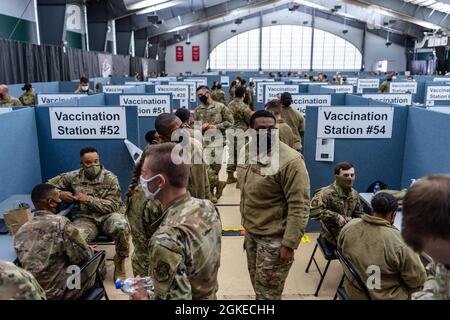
195,53
179,53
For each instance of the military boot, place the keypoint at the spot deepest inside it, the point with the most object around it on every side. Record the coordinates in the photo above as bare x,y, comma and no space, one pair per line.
220,186
119,267
213,196
231,179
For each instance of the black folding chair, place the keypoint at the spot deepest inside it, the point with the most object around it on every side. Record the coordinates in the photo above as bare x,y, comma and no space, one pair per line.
91,272
352,275
103,240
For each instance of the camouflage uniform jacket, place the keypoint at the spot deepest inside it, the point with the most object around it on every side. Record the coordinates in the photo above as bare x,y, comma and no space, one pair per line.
276,202
384,87
437,285
185,250
79,91
10,102
373,241
218,95
103,193
18,284
144,216
46,246
28,99
241,114
296,121
217,114
329,203
285,133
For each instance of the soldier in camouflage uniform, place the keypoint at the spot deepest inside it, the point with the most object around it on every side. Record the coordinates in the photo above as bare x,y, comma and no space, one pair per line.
18,284
218,95
184,252
294,119
98,193
28,98
284,131
274,209
425,227
83,86
251,95
384,87
6,100
241,116
213,115
337,204
49,244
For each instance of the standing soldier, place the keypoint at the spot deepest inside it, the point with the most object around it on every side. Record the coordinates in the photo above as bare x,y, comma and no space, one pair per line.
251,95
28,98
184,252
384,87
241,116
98,192
274,208
294,119
338,203
217,94
284,131
18,284
213,115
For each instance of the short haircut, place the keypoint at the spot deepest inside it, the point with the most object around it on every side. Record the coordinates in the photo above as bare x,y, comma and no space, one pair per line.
240,92
84,80
87,150
150,136
184,114
41,192
273,105
163,122
251,83
160,162
342,166
384,203
426,211
202,87
233,83
27,87
243,82
260,114
219,86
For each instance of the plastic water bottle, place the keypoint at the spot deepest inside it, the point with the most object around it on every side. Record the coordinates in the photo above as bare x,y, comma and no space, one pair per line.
128,285
376,188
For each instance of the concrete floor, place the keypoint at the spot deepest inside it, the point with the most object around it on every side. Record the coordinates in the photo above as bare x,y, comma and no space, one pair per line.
234,281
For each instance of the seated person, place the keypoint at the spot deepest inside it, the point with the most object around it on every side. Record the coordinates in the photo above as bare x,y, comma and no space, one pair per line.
374,241
49,244
6,100
18,284
28,98
83,87
284,131
100,206
338,203
426,225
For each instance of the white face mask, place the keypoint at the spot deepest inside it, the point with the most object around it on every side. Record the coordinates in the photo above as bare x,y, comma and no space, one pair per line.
144,184
85,88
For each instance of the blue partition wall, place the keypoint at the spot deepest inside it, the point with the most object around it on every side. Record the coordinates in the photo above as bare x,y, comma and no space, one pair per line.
427,146
59,156
19,156
374,159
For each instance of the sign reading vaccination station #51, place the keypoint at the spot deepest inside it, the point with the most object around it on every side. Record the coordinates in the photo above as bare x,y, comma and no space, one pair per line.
274,90
148,105
57,97
300,101
355,122
88,123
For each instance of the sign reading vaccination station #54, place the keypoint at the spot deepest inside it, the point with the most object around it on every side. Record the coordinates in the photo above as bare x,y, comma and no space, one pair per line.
300,101
88,123
57,97
355,122
273,91
148,105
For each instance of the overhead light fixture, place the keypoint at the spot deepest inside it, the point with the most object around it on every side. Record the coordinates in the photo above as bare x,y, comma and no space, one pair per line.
143,4
159,7
274,21
238,21
233,30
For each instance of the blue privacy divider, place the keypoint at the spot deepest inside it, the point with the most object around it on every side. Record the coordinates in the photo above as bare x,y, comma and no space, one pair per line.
427,144
59,156
354,100
374,159
15,90
319,89
20,167
120,80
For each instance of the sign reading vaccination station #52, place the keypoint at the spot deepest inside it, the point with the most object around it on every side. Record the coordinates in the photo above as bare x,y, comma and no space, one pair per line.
148,105
88,123
300,101
355,122
274,90
57,97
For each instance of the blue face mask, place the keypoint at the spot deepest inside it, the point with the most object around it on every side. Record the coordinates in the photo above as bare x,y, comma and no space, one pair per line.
144,184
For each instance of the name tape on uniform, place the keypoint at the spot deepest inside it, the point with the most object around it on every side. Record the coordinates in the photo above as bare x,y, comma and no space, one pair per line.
88,123
440,109
273,91
192,88
355,122
300,101
148,105
437,93
116,89
5,110
403,99
57,97
403,87
260,89
179,92
341,89
367,84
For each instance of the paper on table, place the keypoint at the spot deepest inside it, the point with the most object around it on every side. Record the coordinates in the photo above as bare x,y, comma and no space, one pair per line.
325,150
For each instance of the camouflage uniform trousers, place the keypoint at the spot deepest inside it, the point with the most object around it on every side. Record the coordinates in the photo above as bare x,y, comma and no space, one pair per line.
238,142
114,225
213,167
267,272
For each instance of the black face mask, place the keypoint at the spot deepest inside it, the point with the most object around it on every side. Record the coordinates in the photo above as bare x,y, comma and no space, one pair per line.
287,102
203,99
1,96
